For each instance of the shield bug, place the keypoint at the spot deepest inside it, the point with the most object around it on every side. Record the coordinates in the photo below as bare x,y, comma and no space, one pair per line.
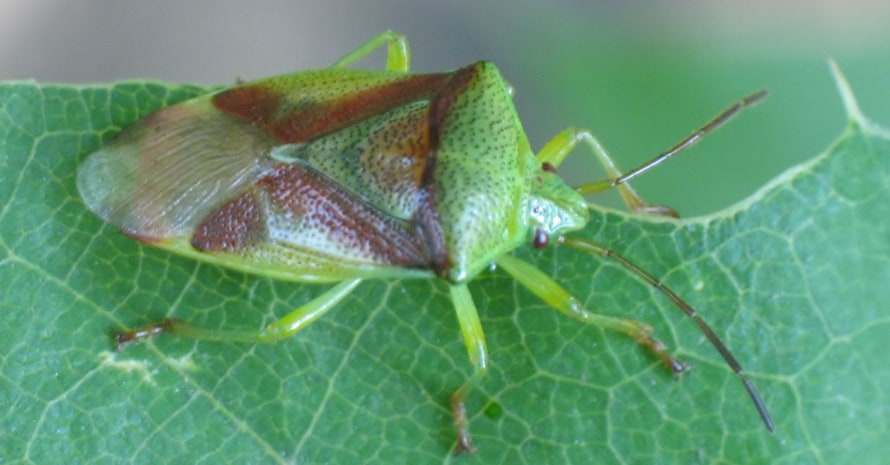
339,175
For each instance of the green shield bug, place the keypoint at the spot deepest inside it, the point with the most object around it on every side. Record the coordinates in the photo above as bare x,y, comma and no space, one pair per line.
340,175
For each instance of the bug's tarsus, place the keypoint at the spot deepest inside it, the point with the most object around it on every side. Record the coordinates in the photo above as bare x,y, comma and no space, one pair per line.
677,366
691,139
124,338
606,252
464,444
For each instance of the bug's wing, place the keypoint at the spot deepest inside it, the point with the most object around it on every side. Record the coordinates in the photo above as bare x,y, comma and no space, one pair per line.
163,175
310,175
209,185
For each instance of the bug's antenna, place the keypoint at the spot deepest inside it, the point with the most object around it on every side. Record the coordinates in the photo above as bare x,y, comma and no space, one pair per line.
606,252
687,142
696,136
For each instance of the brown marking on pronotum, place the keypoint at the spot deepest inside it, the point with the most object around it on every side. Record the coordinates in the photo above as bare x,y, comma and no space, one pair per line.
427,218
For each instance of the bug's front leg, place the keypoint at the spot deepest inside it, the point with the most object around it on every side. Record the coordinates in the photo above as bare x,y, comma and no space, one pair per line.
280,329
398,57
474,339
555,151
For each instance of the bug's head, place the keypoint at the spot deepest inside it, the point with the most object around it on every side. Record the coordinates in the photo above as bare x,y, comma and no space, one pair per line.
554,208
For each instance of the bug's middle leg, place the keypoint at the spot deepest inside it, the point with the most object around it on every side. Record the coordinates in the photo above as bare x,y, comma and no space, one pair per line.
474,339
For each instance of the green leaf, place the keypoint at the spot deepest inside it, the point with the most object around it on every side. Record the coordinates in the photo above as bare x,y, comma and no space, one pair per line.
794,280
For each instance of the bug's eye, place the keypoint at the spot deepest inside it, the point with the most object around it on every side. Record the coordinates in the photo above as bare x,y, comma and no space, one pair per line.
548,167
541,239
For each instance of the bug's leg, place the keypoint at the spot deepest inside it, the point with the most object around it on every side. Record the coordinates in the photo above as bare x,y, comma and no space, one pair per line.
398,57
605,252
554,295
283,328
549,291
555,151
474,339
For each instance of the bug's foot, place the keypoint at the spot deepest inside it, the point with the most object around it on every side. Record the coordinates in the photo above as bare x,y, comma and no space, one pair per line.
459,410
463,444
122,338
677,366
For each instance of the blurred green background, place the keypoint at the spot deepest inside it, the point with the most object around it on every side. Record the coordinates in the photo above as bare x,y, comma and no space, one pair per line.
639,74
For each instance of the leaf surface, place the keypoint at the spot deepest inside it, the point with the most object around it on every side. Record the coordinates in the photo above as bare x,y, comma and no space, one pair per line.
794,280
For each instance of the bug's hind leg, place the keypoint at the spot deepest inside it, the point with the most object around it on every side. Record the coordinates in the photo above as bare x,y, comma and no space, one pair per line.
474,339
280,329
